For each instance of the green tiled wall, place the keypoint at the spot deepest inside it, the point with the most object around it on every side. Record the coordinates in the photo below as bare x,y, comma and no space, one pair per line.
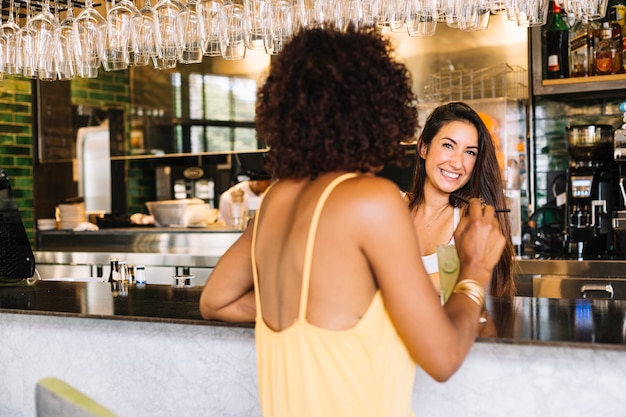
16,130
16,150
141,185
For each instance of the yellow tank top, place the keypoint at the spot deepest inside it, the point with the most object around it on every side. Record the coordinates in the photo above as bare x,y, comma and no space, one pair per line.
305,370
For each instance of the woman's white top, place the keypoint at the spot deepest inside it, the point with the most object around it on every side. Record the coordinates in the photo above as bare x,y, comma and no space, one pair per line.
430,261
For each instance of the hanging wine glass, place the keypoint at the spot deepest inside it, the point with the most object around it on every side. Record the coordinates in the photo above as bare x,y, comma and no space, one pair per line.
3,47
166,25
352,14
281,23
9,30
421,17
314,13
257,12
45,26
233,32
209,19
190,34
66,61
121,19
142,44
25,53
393,15
89,31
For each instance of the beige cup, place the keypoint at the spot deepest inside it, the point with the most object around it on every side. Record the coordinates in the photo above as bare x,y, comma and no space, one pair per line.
449,266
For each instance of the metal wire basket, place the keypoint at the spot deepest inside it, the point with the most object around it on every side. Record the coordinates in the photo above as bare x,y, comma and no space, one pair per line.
500,81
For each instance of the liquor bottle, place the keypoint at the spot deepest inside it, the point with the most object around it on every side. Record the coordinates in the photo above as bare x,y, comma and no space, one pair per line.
579,49
616,36
619,6
595,35
557,45
605,51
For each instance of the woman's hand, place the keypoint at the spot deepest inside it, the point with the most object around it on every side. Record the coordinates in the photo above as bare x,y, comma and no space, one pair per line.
479,241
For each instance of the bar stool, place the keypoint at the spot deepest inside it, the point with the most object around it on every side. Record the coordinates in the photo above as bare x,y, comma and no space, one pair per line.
54,398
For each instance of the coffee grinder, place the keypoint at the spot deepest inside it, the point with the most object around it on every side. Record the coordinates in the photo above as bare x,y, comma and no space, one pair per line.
591,191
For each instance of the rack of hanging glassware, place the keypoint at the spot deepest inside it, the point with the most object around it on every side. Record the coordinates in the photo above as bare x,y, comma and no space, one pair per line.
63,39
21,6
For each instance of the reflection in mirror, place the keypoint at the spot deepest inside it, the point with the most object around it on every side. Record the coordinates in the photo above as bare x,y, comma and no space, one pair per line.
195,109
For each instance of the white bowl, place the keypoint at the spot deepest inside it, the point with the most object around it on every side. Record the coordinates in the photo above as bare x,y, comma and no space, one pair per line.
46,224
171,212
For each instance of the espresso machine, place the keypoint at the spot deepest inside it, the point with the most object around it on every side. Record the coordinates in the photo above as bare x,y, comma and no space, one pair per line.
591,192
619,214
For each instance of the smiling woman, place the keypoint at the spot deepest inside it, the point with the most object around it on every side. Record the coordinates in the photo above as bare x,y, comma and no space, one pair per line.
455,154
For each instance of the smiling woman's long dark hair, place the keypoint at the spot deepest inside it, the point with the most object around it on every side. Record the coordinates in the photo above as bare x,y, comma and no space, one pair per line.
485,182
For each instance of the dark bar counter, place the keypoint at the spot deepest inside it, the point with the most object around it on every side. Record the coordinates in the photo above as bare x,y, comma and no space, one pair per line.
150,353
586,322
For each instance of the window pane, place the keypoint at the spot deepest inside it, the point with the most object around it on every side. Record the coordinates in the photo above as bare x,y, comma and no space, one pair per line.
196,138
195,96
244,95
218,139
245,139
177,98
178,139
217,97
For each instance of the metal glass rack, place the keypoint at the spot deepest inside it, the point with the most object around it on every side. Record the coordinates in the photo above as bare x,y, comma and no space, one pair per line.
499,81
36,5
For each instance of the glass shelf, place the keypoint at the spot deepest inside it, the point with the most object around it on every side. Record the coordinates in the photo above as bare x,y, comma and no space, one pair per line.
144,156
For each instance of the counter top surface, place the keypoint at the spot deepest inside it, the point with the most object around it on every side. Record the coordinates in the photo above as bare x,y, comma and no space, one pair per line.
598,324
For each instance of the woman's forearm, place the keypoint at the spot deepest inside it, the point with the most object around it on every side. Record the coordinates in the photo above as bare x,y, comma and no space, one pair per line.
241,310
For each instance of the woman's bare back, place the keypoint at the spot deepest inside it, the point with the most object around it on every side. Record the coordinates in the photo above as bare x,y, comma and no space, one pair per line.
342,285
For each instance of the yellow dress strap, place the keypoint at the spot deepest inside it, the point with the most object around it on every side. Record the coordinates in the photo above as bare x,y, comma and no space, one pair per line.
255,273
308,255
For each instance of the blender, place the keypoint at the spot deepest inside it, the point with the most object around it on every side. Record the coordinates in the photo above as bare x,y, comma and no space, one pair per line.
591,191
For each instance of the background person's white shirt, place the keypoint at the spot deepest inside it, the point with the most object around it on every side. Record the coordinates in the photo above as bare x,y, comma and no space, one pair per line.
251,201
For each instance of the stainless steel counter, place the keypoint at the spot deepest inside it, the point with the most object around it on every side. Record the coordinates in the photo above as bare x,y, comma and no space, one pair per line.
139,240
571,279
159,267
164,252
608,268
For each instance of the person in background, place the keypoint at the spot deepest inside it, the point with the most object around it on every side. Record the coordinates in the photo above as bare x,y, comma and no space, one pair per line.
252,189
344,310
456,154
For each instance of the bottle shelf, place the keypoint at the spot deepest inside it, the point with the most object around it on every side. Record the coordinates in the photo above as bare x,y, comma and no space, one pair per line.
599,86
584,80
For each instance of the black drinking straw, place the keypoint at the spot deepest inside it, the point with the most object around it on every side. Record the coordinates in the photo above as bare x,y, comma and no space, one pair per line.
498,210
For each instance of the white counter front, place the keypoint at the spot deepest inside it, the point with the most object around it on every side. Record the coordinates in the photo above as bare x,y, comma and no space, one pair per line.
150,369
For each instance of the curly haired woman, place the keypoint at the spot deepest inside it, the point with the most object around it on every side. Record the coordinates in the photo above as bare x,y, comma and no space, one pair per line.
344,309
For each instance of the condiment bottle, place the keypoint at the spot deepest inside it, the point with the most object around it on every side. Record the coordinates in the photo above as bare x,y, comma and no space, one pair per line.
239,210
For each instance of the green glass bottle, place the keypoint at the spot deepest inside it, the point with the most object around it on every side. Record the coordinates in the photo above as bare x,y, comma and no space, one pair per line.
557,45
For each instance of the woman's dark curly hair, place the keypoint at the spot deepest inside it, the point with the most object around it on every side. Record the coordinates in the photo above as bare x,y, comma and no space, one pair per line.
485,182
335,101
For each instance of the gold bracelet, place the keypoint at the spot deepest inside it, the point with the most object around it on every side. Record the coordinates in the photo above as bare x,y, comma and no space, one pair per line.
473,290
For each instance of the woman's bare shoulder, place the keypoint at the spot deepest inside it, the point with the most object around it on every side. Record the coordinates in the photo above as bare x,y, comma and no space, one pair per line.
368,195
